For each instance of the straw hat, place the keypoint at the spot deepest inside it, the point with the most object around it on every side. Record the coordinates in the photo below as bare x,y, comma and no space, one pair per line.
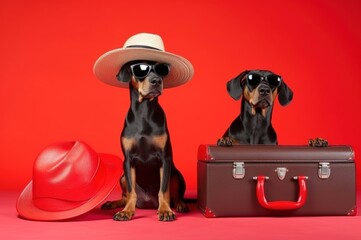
142,46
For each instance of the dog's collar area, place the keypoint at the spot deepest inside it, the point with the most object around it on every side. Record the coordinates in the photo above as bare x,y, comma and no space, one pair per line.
262,111
149,96
260,107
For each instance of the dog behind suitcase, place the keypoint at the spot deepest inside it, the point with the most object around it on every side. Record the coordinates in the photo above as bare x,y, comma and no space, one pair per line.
253,125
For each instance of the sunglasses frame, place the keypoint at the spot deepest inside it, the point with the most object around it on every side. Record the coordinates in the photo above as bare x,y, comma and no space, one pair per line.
150,68
263,78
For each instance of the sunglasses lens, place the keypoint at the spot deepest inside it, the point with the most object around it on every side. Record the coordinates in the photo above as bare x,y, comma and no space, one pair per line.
253,80
161,69
140,70
274,80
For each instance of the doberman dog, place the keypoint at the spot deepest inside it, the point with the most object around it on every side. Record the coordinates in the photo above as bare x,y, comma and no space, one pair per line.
259,89
150,178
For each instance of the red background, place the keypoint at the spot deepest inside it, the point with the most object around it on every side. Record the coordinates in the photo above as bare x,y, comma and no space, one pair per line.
48,92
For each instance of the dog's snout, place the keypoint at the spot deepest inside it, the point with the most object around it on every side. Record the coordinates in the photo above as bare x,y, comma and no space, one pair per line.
264,90
156,81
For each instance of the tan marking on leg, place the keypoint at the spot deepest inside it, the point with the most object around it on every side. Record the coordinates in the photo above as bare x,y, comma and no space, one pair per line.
165,213
131,199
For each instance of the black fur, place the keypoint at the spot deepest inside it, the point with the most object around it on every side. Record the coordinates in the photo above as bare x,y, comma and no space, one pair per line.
147,149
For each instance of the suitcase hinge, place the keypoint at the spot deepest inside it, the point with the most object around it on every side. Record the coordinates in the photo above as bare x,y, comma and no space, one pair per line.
238,170
324,170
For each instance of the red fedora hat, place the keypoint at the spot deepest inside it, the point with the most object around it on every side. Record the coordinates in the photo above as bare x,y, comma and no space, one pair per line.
69,179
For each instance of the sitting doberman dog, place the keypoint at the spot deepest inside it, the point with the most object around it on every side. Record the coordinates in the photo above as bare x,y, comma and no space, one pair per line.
259,89
150,177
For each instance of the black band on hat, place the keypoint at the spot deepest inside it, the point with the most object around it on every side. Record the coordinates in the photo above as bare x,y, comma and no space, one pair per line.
143,46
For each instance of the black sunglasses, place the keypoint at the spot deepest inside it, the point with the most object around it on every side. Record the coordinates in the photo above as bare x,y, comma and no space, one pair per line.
255,79
141,70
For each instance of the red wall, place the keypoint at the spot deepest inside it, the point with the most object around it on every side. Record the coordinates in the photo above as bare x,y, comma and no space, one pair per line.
48,92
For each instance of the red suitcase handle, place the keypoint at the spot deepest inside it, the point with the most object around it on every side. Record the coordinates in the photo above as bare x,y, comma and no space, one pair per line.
281,205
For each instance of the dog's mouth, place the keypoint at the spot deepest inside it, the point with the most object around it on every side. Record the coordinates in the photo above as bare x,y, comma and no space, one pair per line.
261,107
149,95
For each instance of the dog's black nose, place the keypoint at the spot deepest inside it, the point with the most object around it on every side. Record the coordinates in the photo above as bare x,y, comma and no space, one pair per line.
156,81
264,90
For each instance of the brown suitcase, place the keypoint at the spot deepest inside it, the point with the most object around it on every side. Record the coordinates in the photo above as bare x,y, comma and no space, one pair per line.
268,180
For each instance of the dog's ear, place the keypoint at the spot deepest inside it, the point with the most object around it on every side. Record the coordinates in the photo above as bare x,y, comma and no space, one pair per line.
124,74
235,86
285,94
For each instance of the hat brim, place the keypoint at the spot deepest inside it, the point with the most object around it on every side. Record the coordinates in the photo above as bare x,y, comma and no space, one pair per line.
28,210
108,65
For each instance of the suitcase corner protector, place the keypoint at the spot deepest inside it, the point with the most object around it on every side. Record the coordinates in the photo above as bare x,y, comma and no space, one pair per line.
208,213
352,212
203,152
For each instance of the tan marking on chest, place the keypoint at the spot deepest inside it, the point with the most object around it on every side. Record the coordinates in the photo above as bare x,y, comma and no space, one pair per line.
128,143
160,140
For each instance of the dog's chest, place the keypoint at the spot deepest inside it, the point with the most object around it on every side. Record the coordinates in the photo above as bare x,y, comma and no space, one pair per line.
145,150
145,119
145,134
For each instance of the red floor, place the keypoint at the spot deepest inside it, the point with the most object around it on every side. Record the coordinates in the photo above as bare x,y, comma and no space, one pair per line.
99,225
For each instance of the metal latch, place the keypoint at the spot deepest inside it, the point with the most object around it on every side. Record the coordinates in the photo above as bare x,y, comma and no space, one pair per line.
324,170
281,172
238,170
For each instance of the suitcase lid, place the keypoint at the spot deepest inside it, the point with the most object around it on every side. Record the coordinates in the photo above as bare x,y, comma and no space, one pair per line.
275,153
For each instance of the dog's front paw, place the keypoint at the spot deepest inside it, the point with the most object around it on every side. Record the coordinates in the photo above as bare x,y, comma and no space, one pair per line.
166,216
123,216
225,142
318,142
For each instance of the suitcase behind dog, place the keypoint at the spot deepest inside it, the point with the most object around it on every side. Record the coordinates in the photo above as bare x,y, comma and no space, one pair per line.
268,180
